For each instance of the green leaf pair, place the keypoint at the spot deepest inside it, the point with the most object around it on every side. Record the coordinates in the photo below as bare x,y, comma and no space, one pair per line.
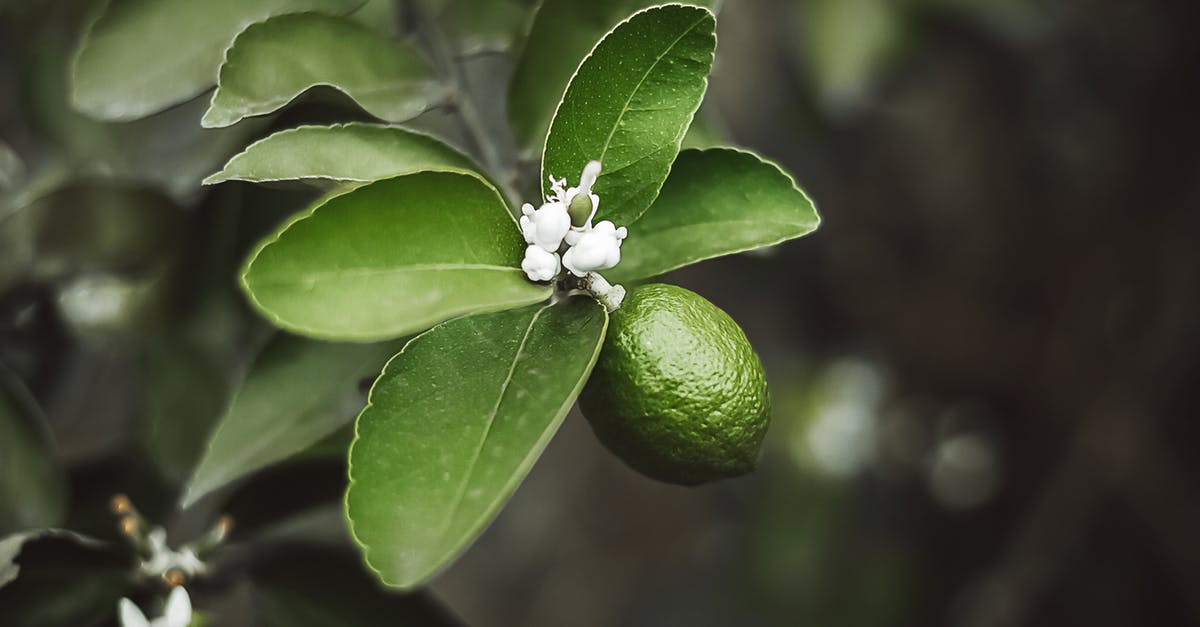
143,56
415,236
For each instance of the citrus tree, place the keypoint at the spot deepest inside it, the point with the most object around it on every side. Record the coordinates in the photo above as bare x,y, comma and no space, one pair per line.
484,274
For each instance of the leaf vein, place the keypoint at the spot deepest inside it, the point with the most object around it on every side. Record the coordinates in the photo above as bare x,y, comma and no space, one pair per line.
491,421
642,80
344,273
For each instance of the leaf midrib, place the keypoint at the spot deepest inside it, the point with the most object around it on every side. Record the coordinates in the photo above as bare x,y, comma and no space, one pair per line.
659,230
625,108
364,272
491,421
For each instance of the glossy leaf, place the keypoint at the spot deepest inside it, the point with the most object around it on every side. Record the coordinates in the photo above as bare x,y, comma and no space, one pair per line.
562,34
273,62
629,106
716,202
391,258
32,488
454,424
263,426
142,56
343,152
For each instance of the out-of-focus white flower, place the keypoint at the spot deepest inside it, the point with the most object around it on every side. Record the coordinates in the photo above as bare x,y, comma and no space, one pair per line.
546,226
594,249
540,265
178,612
163,559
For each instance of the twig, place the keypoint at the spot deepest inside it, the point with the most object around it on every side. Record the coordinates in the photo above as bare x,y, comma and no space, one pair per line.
461,103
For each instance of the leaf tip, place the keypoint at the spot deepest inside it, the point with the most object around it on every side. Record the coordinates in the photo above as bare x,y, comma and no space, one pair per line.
214,119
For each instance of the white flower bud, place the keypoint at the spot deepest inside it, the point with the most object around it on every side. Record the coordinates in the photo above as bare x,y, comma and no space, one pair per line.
545,227
540,265
573,197
596,249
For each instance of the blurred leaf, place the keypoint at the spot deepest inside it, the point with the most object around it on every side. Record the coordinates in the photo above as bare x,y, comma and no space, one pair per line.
482,26
94,227
391,258
629,106
320,525
65,579
16,247
705,132
305,586
33,490
168,149
12,169
268,503
186,390
355,151
264,425
846,43
379,15
454,424
562,34
142,56
11,546
715,202
273,62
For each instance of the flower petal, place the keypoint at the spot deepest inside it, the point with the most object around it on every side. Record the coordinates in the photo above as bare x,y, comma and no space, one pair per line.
130,615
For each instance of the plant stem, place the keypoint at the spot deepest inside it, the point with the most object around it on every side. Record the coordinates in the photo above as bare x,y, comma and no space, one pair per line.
608,294
463,105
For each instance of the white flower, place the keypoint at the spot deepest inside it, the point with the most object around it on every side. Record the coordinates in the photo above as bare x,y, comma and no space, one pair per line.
163,559
567,217
594,249
540,265
178,612
546,226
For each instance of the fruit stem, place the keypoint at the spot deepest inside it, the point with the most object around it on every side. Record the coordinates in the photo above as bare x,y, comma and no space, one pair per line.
608,294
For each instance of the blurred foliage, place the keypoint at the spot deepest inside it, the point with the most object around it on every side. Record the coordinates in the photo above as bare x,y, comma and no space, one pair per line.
984,369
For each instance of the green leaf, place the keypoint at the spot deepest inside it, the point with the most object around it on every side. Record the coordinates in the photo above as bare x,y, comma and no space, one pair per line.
391,258
186,389
706,131
716,202
11,546
93,227
629,106
33,491
58,577
484,26
454,424
273,62
845,45
263,426
355,151
305,586
142,56
562,34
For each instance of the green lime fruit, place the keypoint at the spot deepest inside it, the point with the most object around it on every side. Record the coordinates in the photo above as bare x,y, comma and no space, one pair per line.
678,392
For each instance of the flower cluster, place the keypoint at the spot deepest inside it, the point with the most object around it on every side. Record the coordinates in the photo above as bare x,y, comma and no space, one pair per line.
565,221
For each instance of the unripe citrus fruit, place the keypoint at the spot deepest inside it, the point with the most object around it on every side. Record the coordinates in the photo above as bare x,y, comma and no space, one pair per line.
678,393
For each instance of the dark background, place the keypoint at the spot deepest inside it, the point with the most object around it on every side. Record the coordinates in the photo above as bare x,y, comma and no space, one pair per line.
984,364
